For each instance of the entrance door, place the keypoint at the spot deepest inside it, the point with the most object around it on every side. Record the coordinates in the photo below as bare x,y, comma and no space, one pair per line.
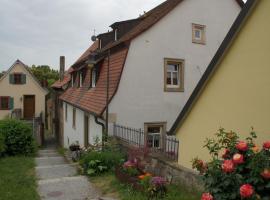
86,131
29,106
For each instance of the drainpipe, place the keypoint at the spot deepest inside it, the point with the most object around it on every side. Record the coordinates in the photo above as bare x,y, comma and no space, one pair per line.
107,97
100,123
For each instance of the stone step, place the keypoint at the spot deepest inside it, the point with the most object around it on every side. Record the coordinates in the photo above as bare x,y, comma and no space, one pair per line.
46,161
51,154
67,188
55,171
47,151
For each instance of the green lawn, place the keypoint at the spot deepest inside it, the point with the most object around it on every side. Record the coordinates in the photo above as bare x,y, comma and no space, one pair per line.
17,179
111,187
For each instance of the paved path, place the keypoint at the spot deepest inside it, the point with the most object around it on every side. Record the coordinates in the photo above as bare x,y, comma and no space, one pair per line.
59,180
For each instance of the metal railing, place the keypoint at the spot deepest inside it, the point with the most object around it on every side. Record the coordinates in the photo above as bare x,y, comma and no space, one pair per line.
167,146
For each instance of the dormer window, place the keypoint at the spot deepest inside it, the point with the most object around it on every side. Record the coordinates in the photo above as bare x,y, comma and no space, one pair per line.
115,34
93,78
100,43
72,80
80,79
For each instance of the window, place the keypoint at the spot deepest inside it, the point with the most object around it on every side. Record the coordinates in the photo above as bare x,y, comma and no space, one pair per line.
173,75
100,43
115,35
80,79
4,103
74,118
17,78
155,133
66,112
198,34
93,77
72,79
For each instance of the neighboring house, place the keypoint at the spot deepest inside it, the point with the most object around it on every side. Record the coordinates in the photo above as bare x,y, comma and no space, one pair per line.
155,61
234,92
21,93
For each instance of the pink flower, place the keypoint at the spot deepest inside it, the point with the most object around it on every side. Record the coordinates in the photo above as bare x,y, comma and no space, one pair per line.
207,196
238,158
266,174
242,146
128,164
227,166
246,191
266,145
226,154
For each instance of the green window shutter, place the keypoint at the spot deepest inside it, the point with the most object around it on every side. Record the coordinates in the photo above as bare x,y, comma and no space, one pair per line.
11,78
11,103
23,78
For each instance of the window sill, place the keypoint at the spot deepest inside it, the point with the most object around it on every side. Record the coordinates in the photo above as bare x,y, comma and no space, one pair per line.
199,42
173,89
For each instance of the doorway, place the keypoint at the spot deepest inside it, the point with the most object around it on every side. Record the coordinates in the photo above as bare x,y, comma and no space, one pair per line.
86,130
29,106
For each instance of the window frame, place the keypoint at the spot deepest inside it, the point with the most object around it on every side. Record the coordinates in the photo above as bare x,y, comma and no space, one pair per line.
74,118
180,77
163,126
80,79
8,100
93,79
202,29
20,82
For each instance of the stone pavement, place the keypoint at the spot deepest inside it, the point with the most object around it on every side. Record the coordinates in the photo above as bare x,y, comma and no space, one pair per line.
59,180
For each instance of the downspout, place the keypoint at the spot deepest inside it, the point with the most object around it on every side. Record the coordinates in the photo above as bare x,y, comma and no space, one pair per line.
107,97
99,123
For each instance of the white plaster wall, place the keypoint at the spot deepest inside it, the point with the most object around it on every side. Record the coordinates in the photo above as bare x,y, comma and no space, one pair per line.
140,97
18,91
71,135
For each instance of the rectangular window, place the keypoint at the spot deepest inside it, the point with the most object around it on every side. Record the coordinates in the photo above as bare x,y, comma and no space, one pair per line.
80,79
115,34
198,34
4,103
173,75
74,118
17,78
66,112
93,77
155,133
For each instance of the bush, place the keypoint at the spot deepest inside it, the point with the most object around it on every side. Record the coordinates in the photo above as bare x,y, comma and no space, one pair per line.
18,137
241,172
2,144
95,162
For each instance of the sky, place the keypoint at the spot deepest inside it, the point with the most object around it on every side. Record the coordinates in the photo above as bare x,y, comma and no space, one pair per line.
40,31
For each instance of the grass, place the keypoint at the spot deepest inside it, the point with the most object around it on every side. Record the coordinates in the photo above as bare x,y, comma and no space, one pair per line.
17,179
111,187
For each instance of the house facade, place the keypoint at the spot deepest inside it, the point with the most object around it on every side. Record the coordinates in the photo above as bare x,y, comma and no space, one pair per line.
21,94
154,62
234,91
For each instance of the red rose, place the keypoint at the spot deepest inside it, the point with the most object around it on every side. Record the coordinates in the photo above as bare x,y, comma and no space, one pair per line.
207,196
242,146
238,158
266,145
266,173
226,154
246,191
227,166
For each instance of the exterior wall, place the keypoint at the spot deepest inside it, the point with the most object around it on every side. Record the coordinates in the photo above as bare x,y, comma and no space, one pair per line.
17,91
237,96
72,135
140,97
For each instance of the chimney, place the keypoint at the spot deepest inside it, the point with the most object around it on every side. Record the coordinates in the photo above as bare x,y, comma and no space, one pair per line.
62,67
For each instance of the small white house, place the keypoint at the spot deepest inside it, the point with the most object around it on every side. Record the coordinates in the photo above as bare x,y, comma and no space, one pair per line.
155,61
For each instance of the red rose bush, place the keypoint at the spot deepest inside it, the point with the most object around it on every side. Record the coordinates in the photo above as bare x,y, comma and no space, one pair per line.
237,170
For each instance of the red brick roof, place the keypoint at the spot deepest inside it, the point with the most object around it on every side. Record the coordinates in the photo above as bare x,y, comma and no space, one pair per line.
94,100
59,84
151,18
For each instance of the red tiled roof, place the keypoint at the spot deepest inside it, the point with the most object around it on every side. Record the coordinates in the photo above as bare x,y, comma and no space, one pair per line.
94,100
85,55
59,84
150,18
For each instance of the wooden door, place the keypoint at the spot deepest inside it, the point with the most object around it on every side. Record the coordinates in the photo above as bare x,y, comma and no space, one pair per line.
86,131
29,106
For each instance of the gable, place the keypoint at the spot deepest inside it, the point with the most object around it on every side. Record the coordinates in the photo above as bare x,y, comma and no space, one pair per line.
19,67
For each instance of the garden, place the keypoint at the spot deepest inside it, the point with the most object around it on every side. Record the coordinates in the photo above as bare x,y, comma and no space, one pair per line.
17,148
123,175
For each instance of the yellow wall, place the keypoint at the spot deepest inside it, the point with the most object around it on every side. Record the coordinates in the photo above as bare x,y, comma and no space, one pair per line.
17,91
238,94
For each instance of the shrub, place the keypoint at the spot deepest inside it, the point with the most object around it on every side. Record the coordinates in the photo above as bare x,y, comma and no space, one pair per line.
241,172
95,162
2,144
18,137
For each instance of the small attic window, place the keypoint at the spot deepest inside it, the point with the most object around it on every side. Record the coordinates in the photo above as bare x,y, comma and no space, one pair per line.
93,77
198,34
115,34
100,44
80,79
